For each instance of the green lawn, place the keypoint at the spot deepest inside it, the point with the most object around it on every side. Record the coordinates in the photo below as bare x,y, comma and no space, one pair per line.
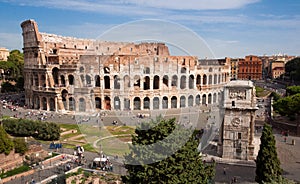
261,92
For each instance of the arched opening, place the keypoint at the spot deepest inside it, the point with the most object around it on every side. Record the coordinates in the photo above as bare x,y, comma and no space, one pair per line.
182,101
106,70
97,81
198,80
44,103
55,75
98,103
147,70
107,103
155,103
183,82
156,82
166,80
36,101
43,81
72,104
146,103
117,103
52,104
106,82
198,100
146,83
82,79
126,104
215,98
215,79
88,80
71,79
62,81
117,82
191,101
204,82
137,81
174,102
191,81
183,70
126,82
81,69
210,79
204,99
209,99
174,81
82,105
137,103
165,102
64,96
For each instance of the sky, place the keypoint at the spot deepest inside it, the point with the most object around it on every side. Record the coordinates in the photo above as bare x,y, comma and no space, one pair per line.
229,28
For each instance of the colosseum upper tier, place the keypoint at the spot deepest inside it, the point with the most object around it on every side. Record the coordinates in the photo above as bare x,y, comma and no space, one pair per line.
66,74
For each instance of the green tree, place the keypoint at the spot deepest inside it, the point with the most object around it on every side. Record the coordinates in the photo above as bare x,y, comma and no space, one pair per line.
292,90
20,146
17,58
166,160
267,163
292,69
6,144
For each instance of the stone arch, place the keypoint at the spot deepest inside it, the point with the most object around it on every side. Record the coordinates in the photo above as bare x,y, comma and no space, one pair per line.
204,99
62,81
147,70
190,101
198,100
55,72
215,98
209,99
165,102
98,103
106,70
51,104
198,80
72,104
71,79
183,70
182,101
36,101
64,96
97,81
204,82
156,82
82,79
117,103
107,103
174,102
155,103
146,103
146,83
191,81
44,103
81,69
137,103
88,80
219,78
174,81
166,80
117,82
183,82
106,82
215,79
210,79
126,82
137,81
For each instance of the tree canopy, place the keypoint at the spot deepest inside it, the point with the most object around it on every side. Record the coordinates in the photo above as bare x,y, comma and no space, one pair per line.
267,163
292,69
160,154
6,144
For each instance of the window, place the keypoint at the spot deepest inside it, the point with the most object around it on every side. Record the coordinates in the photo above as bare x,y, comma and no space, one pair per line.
233,103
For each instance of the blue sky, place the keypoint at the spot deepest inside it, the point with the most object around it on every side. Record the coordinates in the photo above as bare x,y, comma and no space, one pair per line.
232,28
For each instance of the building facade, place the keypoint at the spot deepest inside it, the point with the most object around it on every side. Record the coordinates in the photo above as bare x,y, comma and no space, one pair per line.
250,68
4,53
235,67
69,74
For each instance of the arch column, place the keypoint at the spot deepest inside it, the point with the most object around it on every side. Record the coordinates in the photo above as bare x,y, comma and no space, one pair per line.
121,102
151,82
56,103
47,103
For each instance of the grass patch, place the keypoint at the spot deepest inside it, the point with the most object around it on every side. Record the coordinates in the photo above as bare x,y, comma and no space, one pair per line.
261,92
120,130
89,147
15,171
114,146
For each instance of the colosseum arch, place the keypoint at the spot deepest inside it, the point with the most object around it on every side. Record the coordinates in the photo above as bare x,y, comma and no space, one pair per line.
210,79
52,104
219,78
182,101
215,79
166,80
82,80
81,69
62,81
198,80
183,70
44,103
72,104
64,95
204,82
137,103
174,102
209,99
36,102
71,79
98,102
146,103
88,80
146,83
147,70
82,105
106,82
204,99
137,81
97,81
190,101
156,82
155,103
117,103
55,75
126,82
215,98
107,103
183,82
164,102
174,81
191,81
198,100
117,84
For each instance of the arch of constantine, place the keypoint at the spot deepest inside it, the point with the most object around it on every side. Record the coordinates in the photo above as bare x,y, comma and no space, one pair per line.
67,74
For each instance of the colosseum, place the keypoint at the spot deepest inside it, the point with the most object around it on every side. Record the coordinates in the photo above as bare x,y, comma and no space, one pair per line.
66,74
